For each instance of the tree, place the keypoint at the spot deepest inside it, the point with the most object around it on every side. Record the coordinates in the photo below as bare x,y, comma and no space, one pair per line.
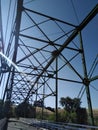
75,113
4,111
82,116
25,110
1,109
70,104
39,103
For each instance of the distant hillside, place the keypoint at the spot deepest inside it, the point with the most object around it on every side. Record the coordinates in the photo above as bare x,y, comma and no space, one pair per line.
39,109
95,112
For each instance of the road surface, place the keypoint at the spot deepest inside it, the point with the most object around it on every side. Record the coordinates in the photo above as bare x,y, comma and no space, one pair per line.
15,124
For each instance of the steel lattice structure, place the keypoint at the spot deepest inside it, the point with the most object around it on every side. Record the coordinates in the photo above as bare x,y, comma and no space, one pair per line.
41,61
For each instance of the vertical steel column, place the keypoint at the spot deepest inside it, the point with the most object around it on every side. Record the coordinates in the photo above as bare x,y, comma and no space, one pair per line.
1,32
86,81
17,29
36,101
56,89
43,99
1,50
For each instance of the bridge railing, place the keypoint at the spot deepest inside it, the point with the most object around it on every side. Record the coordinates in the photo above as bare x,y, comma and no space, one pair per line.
46,125
62,126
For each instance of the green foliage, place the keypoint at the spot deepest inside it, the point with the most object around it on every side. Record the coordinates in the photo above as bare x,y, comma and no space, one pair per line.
74,112
70,104
96,120
39,115
1,109
73,117
5,110
25,110
42,113
82,116
62,116
51,117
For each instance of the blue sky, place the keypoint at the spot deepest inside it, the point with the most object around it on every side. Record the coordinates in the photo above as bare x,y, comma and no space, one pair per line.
67,10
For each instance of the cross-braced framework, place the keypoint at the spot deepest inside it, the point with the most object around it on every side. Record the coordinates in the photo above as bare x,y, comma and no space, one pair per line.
47,54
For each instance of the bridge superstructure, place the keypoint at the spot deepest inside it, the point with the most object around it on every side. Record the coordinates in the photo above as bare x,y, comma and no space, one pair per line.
39,63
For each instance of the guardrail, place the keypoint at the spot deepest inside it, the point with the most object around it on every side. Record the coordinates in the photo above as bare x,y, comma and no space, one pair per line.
46,125
62,126
3,124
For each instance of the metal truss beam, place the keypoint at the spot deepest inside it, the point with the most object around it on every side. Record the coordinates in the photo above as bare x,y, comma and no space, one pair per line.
36,71
89,17
9,87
